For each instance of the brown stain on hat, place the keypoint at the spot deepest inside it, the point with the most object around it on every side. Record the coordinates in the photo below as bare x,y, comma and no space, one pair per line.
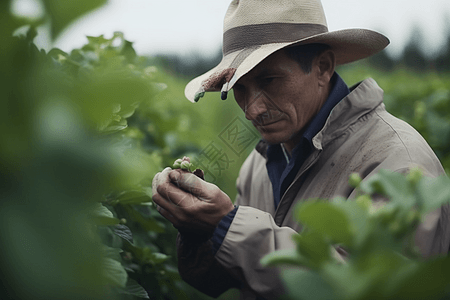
218,79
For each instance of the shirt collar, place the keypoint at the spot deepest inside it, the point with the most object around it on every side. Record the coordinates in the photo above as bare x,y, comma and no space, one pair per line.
338,92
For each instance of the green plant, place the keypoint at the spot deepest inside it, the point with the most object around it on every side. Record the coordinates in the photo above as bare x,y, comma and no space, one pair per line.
68,159
382,262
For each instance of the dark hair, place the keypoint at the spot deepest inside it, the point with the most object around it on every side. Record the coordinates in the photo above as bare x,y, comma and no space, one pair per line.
304,54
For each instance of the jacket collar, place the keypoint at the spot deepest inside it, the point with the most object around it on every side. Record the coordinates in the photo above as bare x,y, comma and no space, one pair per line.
363,98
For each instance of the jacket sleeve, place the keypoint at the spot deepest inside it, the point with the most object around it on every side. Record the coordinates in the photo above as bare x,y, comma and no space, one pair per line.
252,235
198,267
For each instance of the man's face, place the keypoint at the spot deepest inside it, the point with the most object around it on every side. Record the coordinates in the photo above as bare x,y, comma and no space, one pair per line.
280,98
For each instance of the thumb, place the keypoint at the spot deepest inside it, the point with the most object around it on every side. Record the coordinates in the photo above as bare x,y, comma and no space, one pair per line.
191,183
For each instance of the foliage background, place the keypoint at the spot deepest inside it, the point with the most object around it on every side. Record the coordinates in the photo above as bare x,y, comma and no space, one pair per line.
83,133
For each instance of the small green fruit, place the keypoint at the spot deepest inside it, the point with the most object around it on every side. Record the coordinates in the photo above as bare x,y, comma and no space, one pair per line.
185,165
364,201
355,180
414,175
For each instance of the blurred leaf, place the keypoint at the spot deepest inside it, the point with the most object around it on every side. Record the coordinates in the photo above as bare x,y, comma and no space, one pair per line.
429,280
105,221
364,277
147,256
158,258
285,256
114,272
306,284
124,232
135,289
314,247
101,211
434,192
387,183
103,216
113,253
144,222
133,197
328,219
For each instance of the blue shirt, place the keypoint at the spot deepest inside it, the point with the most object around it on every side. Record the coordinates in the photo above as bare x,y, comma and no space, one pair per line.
281,172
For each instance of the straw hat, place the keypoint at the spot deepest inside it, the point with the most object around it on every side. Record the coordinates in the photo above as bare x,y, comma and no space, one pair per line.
254,29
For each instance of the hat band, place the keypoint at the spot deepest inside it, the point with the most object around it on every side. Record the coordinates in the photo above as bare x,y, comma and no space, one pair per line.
246,36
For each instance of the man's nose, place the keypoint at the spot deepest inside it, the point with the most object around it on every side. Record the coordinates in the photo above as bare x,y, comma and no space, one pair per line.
255,106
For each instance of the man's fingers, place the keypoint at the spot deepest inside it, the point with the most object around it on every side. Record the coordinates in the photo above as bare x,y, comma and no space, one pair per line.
160,178
192,184
154,184
173,213
165,208
167,215
176,196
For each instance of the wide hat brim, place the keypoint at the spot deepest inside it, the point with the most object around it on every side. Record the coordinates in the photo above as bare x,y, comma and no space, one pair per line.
349,45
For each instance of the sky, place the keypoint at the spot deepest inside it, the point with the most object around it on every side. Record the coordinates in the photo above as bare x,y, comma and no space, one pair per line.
185,27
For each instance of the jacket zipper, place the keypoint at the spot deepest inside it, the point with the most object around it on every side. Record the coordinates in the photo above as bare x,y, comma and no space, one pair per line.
278,216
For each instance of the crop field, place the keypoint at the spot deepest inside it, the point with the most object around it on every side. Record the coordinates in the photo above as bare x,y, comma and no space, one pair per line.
83,134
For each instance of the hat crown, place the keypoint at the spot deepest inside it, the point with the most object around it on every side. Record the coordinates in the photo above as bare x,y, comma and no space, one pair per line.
254,12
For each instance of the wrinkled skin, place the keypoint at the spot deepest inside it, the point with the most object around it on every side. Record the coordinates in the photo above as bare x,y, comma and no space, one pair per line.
280,99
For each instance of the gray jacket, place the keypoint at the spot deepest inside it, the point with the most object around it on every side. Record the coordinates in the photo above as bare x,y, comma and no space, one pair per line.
358,136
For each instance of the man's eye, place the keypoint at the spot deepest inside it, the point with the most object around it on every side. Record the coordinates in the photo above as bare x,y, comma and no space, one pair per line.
267,80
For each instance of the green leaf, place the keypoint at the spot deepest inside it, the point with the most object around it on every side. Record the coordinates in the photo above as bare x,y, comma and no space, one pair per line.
434,192
105,221
135,289
148,224
327,219
103,216
115,272
285,256
56,52
147,255
312,245
101,211
124,232
158,258
62,13
364,277
111,252
133,197
96,41
306,284
128,51
430,280
128,112
392,184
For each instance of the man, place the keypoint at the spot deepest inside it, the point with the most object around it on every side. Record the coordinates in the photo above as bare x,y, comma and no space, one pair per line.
279,58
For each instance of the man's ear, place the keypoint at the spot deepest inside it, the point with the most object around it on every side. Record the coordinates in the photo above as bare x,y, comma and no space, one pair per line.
326,62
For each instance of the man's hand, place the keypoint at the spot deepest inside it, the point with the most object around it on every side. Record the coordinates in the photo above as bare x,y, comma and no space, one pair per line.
188,202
